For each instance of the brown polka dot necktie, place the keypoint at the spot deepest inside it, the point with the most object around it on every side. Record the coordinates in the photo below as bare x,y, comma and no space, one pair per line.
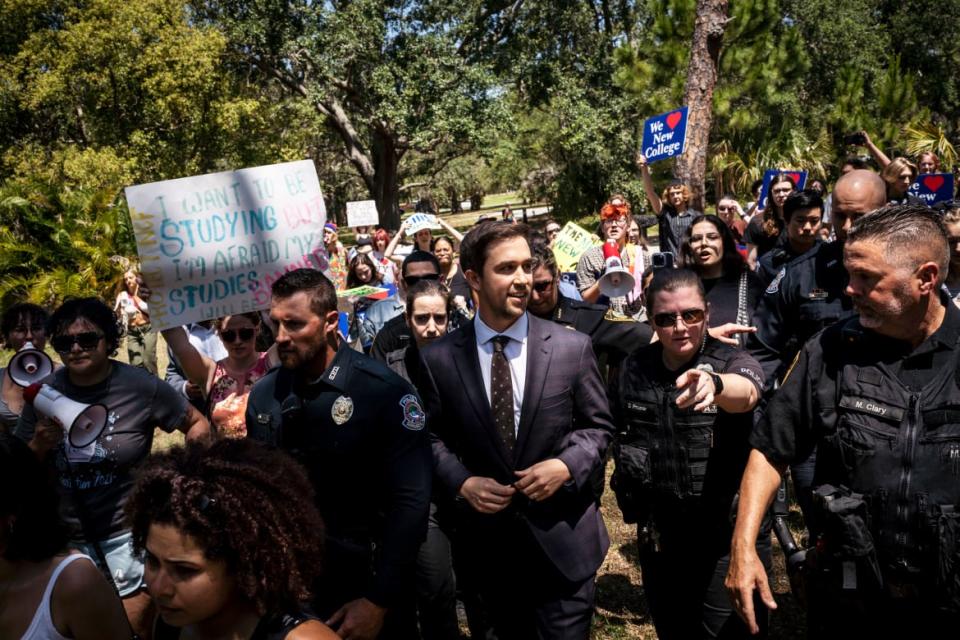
501,393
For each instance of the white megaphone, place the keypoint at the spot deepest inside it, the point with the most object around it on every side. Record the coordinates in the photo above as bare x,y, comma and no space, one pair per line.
82,422
29,365
616,280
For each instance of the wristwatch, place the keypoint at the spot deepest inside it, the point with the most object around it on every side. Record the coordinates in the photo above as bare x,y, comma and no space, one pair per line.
717,384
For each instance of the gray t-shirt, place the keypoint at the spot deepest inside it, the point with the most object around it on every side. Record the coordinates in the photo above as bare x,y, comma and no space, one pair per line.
137,403
591,267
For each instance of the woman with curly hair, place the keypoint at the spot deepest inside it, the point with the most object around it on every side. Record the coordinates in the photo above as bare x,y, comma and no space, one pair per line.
94,480
46,593
232,542
672,207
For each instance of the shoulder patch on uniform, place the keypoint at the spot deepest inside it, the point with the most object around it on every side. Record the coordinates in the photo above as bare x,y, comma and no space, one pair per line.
775,284
414,418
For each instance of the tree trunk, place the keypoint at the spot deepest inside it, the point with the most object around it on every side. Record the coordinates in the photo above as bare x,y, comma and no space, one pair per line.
386,187
691,167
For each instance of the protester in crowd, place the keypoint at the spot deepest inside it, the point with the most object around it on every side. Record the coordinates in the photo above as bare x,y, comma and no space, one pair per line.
451,276
899,174
874,396
232,542
95,480
389,272
765,228
362,272
614,219
422,239
820,186
337,256
755,188
927,161
226,382
684,407
672,207
21,324
728,210
612,337
133,312
46,592
205,338
552,230
360,430
803,212
426,315
853,163
385,317
732,289
520,424
951,220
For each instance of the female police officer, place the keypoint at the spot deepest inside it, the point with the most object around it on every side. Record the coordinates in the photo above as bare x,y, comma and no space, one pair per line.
684,409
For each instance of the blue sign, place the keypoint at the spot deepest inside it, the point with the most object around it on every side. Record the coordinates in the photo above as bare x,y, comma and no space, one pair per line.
799,179
665,135
933,188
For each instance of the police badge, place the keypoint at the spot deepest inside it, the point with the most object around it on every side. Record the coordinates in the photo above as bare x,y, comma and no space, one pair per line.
342,410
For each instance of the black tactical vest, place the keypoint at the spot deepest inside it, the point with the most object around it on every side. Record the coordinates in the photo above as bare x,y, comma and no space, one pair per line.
674,463
900,449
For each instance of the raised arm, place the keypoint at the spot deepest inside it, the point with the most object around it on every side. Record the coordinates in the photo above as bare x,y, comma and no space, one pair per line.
394,241
652,197
456,235
874,150
198,368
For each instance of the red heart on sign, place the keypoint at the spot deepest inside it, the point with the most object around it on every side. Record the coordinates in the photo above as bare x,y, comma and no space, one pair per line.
796,178
933,182
673,119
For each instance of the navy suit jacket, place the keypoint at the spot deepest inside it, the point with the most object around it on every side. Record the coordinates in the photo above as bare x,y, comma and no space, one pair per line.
565,414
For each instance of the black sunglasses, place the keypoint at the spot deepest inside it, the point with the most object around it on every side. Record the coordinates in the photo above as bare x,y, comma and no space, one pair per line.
689,316
542,287
87,340
230,335
412,280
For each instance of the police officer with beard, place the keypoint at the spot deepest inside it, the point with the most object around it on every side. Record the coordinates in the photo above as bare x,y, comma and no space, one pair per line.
358,428
878,395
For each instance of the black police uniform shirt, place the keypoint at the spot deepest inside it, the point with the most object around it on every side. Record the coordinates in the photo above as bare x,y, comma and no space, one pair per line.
611,338
394,334
885,420
805,297
643,402
770,264
359,429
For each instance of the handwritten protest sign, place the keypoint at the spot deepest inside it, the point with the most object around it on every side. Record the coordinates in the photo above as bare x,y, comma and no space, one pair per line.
799,179
665,135
570,243
212,245
933,188
420,221
362,213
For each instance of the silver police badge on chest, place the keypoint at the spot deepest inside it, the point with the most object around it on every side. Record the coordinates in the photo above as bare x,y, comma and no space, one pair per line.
342,410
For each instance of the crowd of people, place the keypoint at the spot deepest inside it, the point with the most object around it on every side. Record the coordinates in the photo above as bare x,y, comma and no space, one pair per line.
449,448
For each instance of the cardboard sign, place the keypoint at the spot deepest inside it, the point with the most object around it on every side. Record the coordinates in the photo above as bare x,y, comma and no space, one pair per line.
362,213
665,135
421,221
933,188
570,244
799,178
212,245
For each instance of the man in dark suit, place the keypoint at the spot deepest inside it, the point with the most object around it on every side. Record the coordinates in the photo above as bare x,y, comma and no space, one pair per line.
520,423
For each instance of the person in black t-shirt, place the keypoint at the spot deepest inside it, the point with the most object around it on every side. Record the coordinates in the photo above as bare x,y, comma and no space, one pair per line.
767,224
732,289
803,213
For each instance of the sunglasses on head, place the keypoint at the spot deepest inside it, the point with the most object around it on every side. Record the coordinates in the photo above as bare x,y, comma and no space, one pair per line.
230,335
87,340
412,280
689,316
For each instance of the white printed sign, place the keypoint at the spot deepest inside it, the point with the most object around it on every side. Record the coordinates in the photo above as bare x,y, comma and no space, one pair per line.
212,245
362,213
421,221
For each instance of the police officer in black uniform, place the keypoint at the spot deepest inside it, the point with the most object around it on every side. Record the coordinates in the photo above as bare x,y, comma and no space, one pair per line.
358,428
613,336
683,409
878,396
802,212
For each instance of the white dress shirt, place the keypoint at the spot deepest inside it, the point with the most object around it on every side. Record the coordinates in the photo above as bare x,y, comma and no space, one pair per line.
516,353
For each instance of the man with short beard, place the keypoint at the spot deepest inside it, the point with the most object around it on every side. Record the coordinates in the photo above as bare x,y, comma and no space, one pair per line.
358,428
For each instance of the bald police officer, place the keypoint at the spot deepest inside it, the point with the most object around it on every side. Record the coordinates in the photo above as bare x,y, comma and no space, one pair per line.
878,395
358,428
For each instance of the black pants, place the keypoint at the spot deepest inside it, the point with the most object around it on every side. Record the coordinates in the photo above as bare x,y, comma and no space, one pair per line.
436,586
522,593
685,593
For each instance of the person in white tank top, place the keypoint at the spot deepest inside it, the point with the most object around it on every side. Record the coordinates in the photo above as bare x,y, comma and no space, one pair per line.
46,594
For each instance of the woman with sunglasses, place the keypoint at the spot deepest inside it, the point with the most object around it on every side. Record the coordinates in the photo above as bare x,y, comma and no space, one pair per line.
709,250
684,408
21,323
226,383
94,480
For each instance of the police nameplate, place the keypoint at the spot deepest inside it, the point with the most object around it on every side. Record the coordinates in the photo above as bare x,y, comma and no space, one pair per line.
342,409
